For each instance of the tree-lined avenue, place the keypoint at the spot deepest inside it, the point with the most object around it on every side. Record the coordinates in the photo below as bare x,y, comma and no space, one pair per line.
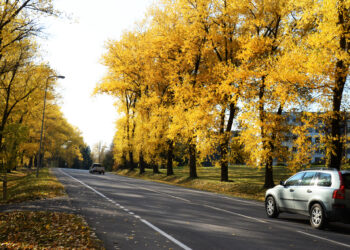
135,214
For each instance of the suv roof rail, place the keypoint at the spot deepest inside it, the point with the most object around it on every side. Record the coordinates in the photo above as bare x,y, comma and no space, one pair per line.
321,168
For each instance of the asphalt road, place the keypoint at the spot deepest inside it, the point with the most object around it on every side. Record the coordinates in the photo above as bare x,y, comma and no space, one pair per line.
130,213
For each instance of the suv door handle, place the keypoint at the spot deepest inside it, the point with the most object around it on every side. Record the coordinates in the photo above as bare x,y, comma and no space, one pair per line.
291,190
309,191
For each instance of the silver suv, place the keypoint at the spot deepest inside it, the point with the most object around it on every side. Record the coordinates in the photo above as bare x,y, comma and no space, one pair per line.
323,194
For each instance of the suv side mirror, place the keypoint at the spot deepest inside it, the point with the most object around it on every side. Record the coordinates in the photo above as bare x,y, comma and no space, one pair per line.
283,183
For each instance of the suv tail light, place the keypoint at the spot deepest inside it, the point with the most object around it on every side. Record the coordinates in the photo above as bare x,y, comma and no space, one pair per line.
340,193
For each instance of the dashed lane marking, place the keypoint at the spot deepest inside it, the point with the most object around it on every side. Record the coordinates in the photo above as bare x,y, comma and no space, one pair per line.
215,208
325,239
208,206
169,237
201,192
166,235
238,214
158,192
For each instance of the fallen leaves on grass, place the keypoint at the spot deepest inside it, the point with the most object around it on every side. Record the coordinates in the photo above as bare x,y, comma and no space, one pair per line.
24,186
246,182
43,230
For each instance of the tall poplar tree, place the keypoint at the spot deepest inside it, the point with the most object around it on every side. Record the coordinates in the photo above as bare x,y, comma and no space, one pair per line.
326,25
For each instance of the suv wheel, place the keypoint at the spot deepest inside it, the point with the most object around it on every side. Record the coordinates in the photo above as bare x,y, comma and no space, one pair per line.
270,207
317,216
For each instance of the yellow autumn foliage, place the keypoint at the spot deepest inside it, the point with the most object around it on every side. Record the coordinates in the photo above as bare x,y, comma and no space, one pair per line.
194,71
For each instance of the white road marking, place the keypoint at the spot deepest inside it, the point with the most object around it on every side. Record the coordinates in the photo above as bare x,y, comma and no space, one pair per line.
215,208
260,204
166,235
219,209
225,197
238,214
325,239
243,201
158,192
138,217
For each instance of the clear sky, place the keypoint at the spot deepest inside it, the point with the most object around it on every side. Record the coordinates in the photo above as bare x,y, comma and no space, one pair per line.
74,49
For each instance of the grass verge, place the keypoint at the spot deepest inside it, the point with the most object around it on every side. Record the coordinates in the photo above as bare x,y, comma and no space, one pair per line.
41,230
45,230
245,182
23,186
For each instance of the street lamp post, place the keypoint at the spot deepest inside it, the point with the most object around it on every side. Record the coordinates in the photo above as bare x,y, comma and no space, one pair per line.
42,123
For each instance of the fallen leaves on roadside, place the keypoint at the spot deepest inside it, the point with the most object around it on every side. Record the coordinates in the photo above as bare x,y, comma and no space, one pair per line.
24,186
39,230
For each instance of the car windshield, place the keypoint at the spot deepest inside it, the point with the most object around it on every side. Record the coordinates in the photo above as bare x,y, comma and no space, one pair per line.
97,165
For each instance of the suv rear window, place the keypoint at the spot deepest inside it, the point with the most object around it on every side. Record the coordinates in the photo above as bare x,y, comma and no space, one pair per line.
324,180
346,179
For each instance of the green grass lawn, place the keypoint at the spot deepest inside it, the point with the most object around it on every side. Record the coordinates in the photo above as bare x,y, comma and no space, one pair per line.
23,185
245,181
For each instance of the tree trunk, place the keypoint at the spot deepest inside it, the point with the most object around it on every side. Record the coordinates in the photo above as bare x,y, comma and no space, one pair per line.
170,156
336,118
335,158
269,174
22,160
131,161
341,70
267,146
141,164
4,187
30,165
192,161
124,161
269,183
35,160
155,168
40,160
163,164
224,146
224,169
223,157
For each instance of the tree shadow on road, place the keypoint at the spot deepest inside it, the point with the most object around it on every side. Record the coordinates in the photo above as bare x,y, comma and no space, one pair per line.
336,227
339,228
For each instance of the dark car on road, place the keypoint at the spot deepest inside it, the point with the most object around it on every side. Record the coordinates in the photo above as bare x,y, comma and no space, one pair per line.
323,195
97,168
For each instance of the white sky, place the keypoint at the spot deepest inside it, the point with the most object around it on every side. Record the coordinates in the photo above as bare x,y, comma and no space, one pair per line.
74,48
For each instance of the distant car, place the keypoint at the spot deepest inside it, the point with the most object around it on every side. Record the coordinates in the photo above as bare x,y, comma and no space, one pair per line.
323,195
97,168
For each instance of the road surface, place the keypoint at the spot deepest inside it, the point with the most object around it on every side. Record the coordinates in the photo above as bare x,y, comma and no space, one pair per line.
129,213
